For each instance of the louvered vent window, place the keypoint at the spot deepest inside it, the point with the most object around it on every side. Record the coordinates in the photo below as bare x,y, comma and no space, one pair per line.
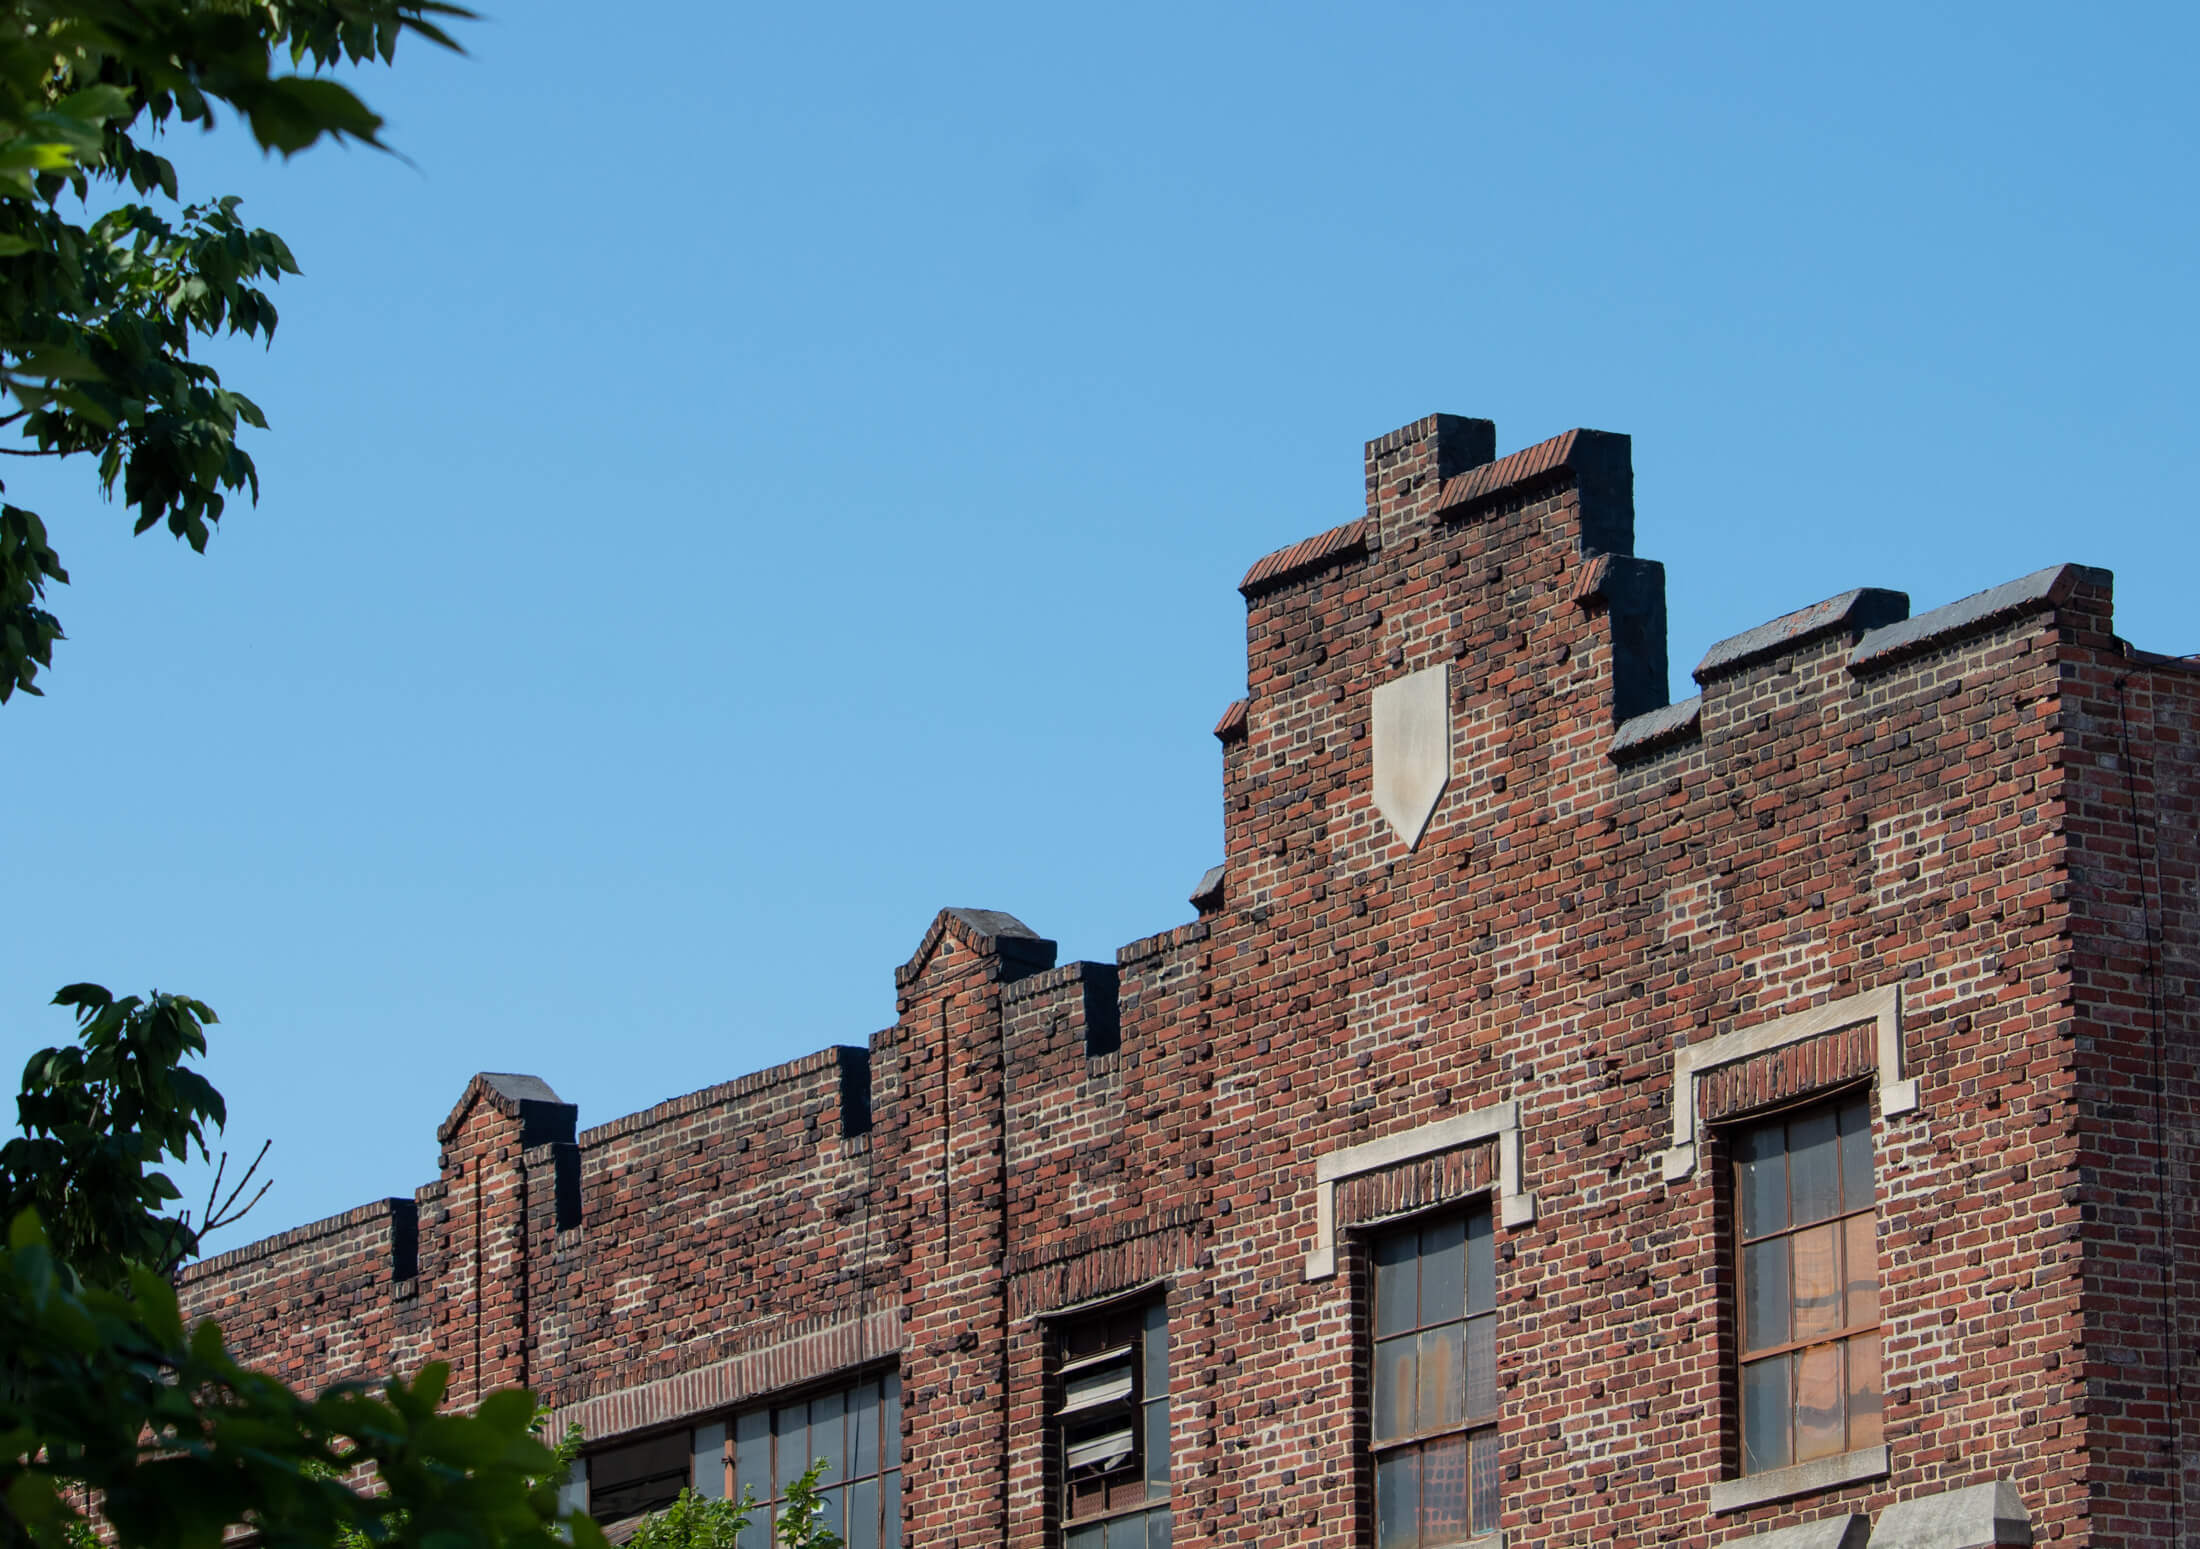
1111,1426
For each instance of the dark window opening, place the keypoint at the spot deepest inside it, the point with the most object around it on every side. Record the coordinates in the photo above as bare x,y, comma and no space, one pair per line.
640,1476
1110,1424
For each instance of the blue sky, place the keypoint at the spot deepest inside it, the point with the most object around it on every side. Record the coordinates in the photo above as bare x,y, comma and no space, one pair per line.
762,475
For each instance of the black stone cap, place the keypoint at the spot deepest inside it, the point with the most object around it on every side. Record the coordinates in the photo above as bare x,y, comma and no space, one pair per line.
1021,949
1655,728
1208,894
2042,589
1865,608
515,1088
543,1115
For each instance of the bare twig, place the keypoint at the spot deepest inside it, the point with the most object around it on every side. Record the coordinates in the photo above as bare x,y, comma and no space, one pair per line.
228,1215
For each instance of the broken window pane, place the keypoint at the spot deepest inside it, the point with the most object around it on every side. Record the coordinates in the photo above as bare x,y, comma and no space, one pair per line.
1760,1179
1398,1501
1765,1399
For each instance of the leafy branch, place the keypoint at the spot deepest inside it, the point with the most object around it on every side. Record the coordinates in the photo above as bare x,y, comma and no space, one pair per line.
98,319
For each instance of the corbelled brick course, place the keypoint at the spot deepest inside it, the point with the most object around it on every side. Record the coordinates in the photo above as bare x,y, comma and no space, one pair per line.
1989,809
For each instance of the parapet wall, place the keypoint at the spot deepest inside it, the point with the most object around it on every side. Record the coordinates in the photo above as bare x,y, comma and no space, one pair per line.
1495,920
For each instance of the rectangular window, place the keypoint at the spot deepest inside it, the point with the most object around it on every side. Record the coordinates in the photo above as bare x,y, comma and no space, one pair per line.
1435,1384
1111,1429
637,1476
1808,1286
856,1431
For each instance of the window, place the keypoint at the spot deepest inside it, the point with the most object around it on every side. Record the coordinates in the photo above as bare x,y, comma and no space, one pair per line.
1808,1286
640,1476
1111,1429
857,1431
1435,1421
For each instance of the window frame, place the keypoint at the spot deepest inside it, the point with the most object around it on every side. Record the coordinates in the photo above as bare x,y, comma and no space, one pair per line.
636,1442
1369,1237
1149,1307
768,1405
1855,1458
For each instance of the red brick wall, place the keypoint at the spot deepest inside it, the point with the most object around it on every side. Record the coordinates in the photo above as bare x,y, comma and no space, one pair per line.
1945,809
2133,820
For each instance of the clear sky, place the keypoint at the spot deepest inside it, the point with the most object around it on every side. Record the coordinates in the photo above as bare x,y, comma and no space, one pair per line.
763,473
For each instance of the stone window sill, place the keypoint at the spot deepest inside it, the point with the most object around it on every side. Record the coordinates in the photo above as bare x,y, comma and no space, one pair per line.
1801,1479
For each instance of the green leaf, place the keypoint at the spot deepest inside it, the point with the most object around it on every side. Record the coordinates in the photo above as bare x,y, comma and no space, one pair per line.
96,104
290,113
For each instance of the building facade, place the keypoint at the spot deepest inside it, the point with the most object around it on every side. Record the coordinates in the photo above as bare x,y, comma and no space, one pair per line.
1571,1118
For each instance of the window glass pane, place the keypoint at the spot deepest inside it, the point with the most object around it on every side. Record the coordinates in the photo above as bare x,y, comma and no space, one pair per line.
826,1419
1157,1448
1862,1269
1158,1524
1157,1352
1397,1386
1444,1272
710,1462
1856,1155
863,1514
1481,1263
889,1423
1818,1394
757,1534
1760,1179
1765,1415
1444,1491
791,1425
1398,1501
1484,1448
752,1454
1816,1254
832,1515
1481,1367
863,1430
889,1509
1814,1167
1443,1378
1864,1415
1765,1293
1093,1537
1396,1299
1127,1532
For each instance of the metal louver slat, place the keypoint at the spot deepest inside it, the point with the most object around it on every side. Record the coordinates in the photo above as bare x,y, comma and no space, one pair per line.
1098,1384
1099,1451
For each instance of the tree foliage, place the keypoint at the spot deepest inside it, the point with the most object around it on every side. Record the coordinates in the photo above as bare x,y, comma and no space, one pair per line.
108,275
694,1522
106,1394
100,1117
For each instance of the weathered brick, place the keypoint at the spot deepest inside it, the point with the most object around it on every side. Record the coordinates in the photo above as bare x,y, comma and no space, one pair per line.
1992,809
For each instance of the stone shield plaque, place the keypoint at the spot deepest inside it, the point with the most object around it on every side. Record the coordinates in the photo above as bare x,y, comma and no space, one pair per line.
1412,749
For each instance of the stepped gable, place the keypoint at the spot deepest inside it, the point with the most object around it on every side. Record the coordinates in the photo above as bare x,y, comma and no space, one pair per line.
1120,1241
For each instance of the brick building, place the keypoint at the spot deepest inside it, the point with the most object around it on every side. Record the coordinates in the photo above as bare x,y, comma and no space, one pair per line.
1572,1117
